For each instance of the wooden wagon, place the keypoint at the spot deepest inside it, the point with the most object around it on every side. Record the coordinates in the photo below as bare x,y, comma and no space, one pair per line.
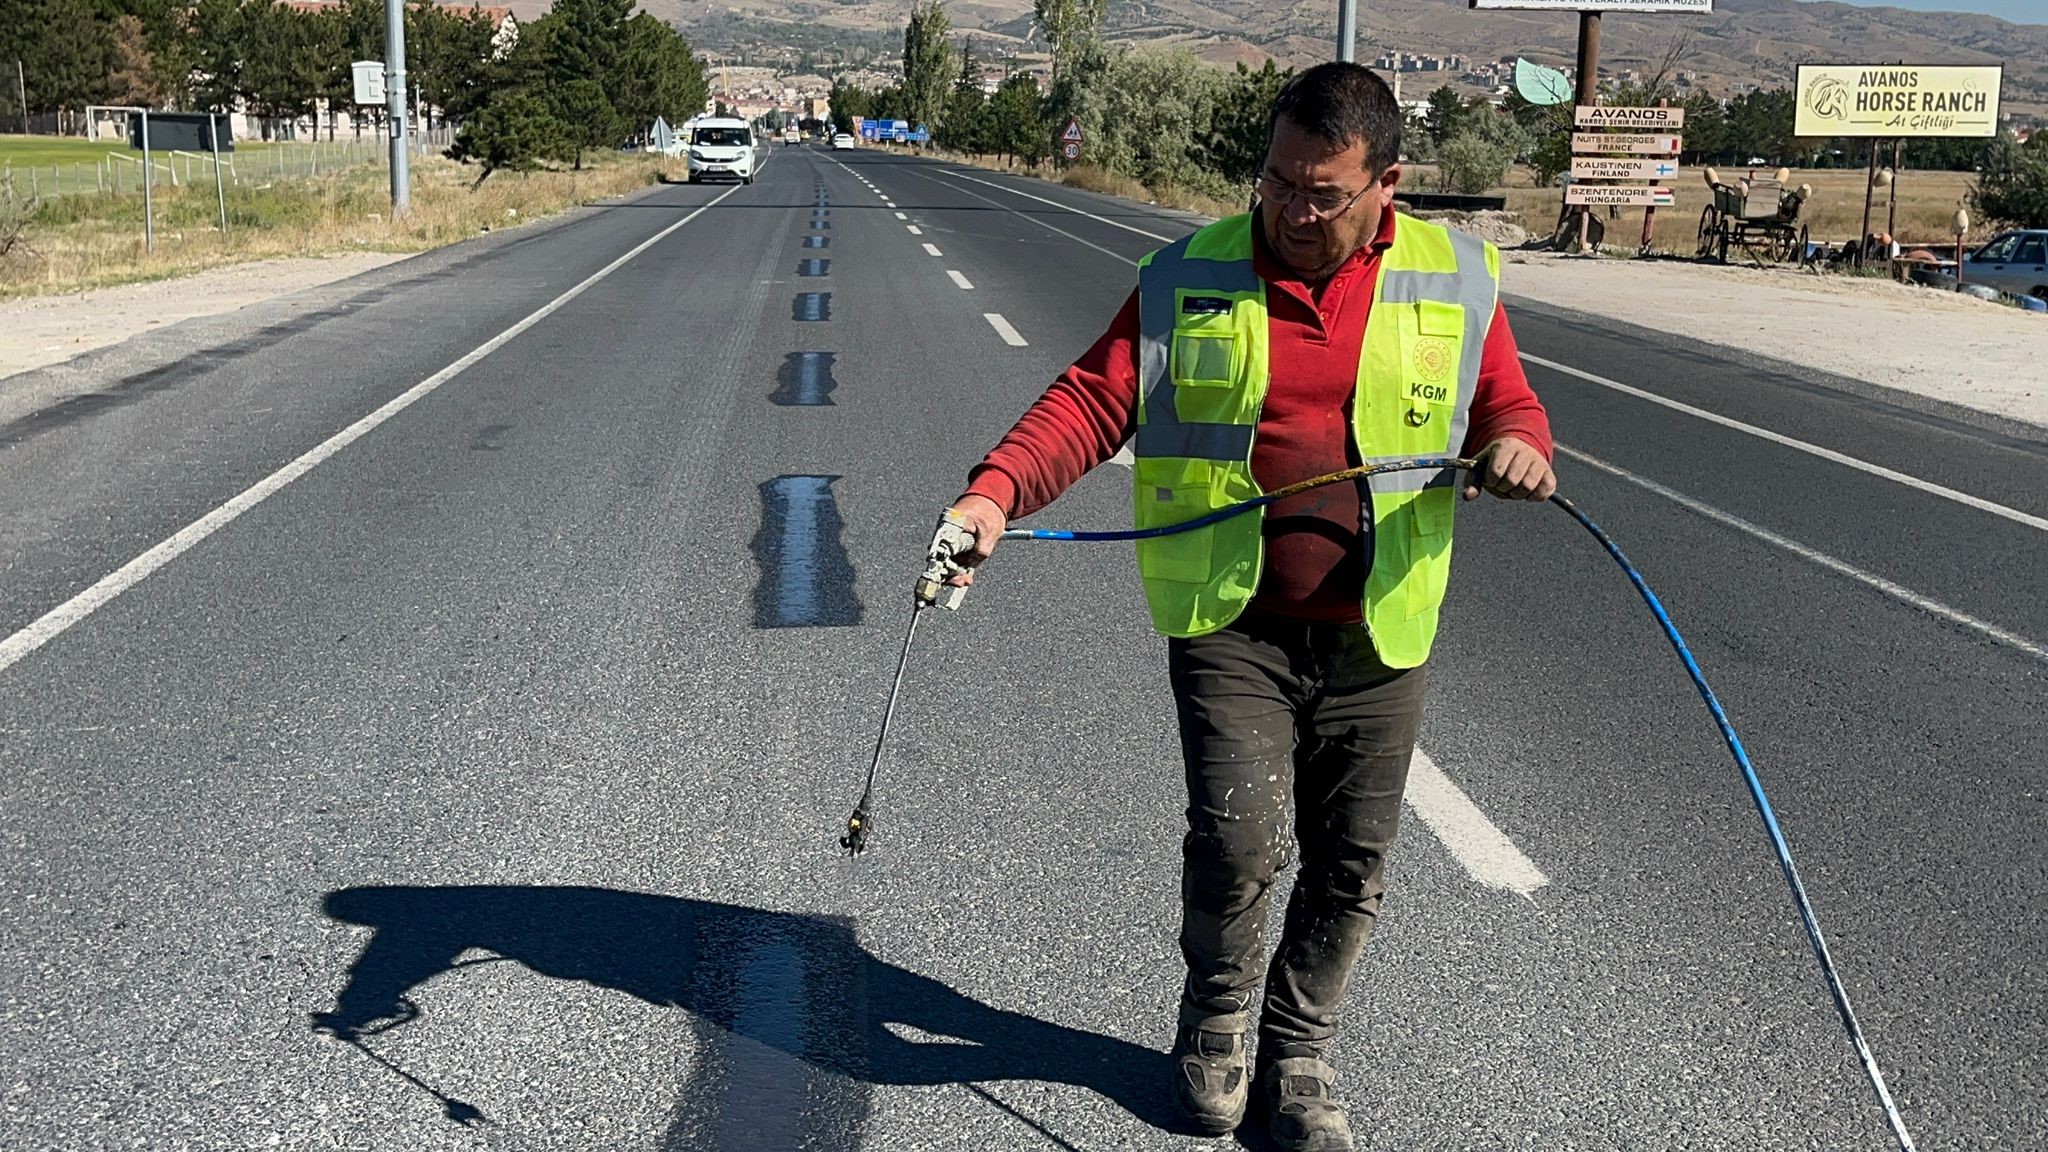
1759,217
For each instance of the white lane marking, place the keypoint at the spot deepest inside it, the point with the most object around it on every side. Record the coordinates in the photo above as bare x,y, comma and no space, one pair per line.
1042,224
959,279
1899,592
53,623
888,203
1005,329
1829,454
901,216
763,1098
1474,841
931,249
914,229
1057,204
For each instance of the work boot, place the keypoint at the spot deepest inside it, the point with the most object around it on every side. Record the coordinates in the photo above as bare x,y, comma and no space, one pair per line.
1209,1077
1301,1108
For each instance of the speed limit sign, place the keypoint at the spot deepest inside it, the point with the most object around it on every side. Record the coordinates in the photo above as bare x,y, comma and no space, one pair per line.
1071,150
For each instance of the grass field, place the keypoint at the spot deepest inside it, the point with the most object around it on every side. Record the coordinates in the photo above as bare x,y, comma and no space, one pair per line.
51,166
84,241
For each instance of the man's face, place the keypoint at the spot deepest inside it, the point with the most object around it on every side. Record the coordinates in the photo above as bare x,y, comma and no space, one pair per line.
1310,241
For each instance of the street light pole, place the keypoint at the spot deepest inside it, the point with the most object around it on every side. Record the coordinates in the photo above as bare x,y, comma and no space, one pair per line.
394,97
1347,30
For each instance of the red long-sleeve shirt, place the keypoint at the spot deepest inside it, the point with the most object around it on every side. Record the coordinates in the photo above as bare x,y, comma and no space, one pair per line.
1315,542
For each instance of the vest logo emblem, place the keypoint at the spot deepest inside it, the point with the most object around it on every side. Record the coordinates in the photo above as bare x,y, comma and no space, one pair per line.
1433,360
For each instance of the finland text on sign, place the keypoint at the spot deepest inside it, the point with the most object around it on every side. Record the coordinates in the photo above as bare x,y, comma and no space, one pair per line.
1896,100
1609,168
1695,6
1620,195
1629,143
1640,119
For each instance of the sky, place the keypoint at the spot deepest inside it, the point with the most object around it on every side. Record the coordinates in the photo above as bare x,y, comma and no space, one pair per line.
2018,11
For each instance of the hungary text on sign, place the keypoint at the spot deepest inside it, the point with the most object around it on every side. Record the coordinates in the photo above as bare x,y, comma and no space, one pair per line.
1620,195
1896,100
1640,119
1608,168
1629,143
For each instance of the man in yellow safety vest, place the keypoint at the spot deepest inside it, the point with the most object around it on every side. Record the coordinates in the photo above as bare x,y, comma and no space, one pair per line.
1318,332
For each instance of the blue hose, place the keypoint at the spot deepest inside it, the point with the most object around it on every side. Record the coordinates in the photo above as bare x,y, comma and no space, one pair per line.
1692,668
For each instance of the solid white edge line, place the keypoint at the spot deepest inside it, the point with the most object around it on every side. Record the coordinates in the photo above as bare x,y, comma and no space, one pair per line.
1899,592
1829,454
56,621
1057,204
1048,227
931,249
959,279
1005,329
1486,853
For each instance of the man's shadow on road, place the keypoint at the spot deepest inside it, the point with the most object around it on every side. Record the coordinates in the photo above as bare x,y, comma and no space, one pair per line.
798,985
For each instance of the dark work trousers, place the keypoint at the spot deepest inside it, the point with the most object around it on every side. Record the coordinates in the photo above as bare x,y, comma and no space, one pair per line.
1294,734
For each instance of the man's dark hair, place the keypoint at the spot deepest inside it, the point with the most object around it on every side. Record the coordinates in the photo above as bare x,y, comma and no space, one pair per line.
1343,103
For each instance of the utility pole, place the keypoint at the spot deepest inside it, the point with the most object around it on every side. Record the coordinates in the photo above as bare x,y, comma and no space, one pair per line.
21,90
1347,30
394,96
1588,95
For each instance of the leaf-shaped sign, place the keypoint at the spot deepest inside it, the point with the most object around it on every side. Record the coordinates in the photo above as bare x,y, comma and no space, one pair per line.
1540,85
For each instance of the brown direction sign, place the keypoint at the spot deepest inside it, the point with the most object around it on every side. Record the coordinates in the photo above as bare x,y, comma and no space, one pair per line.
1620,195
1610,168
1631,143
1640,119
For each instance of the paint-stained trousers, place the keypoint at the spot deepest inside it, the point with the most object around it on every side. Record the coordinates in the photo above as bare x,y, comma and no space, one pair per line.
1295,736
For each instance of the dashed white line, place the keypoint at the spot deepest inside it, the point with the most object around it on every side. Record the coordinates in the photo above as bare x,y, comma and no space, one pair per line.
959,279
1057,204
56,621
914,229
901,216
1899,592
1004,329
1829,454
1487,854
931,249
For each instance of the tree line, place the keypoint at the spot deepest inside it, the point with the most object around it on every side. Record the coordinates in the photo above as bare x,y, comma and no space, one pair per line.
1168,120
588,75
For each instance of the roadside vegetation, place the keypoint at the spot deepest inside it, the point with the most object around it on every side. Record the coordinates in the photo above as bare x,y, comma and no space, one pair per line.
1160,125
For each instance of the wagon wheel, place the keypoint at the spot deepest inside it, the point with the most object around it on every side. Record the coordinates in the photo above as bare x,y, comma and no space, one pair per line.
1805,245
1780,249
1710,226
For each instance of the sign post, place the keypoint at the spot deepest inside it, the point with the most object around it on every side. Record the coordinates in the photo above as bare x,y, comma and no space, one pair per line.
394,92
1070,140
1631,154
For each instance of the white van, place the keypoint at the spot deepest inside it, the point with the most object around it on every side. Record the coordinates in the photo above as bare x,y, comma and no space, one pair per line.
721,146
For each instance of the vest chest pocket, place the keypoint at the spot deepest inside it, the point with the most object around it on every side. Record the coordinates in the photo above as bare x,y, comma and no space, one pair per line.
1205,350
1185,556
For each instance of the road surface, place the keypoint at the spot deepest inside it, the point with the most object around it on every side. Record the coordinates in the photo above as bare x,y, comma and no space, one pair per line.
480,660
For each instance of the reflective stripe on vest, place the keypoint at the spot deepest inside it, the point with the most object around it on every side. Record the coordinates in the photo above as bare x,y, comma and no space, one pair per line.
1203,355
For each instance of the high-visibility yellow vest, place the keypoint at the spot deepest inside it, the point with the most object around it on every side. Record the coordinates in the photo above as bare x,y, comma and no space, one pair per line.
1202,376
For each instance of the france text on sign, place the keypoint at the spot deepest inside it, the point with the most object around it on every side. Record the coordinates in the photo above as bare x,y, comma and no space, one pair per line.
1607,168
1694,6
1620,195
1631,143
1640,119
1896,100
1072,132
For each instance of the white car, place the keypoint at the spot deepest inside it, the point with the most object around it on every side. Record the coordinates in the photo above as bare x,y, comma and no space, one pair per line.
842,140
721,146
792,135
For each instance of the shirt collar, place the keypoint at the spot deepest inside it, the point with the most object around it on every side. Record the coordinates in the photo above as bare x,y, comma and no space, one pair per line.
1270,269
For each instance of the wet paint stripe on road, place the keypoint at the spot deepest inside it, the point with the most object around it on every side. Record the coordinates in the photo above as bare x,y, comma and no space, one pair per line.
806,576
812,306
805,381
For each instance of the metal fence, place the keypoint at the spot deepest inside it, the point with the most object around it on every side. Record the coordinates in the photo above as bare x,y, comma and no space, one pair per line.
119,171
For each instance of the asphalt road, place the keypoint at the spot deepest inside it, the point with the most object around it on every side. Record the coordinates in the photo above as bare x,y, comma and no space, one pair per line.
513,735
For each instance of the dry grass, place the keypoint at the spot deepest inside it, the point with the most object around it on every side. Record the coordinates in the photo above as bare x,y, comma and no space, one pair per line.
88,241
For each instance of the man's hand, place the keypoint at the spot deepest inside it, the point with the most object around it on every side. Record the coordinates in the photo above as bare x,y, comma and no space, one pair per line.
988,522
1511,469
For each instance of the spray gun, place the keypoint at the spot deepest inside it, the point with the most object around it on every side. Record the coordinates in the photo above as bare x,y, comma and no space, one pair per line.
954,537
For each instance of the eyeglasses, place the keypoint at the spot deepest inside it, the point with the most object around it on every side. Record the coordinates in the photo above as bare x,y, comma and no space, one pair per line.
1325,205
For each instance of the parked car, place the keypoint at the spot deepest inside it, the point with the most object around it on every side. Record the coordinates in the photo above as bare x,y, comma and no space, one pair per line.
721,146
2015,262
842,140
